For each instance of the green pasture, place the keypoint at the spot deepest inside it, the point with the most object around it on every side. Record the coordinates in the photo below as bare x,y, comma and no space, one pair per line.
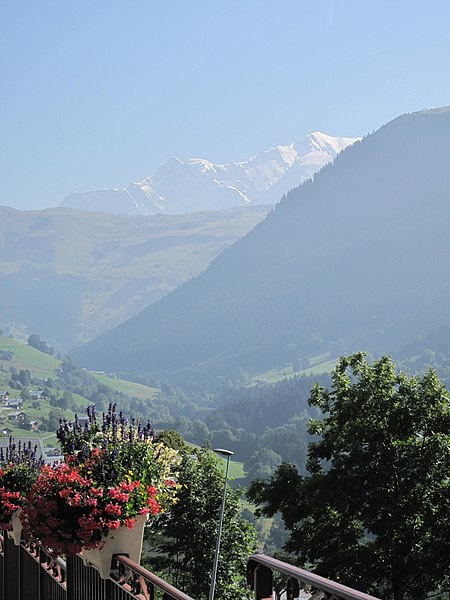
25,357
322,363
143,392
236,470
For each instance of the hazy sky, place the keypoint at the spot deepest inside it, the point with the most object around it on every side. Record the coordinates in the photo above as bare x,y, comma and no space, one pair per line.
96,93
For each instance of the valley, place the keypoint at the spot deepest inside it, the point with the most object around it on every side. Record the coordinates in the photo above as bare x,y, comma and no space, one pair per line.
354,259
231,353
92,271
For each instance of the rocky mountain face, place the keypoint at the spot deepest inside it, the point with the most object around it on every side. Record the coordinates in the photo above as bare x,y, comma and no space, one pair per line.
356,259
197,184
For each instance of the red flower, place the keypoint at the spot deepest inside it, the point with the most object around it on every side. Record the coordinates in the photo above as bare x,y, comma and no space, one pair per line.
130,523
113,509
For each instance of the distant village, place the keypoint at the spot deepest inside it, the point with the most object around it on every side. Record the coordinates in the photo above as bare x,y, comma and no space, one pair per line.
12,416
15,414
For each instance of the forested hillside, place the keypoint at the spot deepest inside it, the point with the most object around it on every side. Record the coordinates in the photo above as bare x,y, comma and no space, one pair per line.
266,424
356,259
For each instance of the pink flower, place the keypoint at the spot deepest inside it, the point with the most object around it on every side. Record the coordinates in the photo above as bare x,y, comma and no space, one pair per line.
113,509
113,524
117,494
153,506
130,523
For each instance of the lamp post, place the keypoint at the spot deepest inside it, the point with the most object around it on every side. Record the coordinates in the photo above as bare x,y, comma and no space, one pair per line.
227,454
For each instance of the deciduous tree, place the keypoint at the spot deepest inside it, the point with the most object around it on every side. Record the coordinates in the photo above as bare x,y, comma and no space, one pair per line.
374,510
183,539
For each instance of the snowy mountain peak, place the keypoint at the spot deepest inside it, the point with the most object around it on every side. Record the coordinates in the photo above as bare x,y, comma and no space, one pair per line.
171,168
201,165
333,145
198,184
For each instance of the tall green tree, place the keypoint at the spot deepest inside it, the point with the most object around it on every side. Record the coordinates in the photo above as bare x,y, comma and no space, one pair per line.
35,342
182,541
374,510
262,464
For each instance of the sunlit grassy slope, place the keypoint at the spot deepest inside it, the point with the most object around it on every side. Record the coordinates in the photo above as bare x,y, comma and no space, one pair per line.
143,392
25,357
318,364
44,366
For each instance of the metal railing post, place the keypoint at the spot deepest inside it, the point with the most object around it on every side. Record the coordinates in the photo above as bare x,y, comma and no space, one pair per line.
11,570
263,583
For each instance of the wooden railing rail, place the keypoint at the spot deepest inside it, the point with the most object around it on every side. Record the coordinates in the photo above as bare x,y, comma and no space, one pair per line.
30,572
140,582
260,570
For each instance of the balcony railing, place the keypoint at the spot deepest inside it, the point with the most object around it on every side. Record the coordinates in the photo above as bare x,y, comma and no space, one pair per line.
298,582
28,572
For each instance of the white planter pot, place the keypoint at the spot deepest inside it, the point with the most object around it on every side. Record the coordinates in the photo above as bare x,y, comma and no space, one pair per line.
16,533
122,541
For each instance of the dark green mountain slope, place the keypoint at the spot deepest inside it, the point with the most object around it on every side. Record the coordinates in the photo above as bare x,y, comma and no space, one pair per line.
356,259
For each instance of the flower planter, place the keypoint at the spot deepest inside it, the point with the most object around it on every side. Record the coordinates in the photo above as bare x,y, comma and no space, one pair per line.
122,541
16,532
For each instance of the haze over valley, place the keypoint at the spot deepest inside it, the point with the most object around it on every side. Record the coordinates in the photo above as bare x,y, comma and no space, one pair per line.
104,267
71,274
354,259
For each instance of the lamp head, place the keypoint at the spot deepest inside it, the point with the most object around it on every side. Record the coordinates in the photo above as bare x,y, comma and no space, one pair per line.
223,452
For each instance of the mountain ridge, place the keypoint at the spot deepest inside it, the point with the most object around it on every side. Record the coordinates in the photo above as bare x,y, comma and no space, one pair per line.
198,184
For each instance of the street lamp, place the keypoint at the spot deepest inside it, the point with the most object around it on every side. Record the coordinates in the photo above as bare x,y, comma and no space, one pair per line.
227,454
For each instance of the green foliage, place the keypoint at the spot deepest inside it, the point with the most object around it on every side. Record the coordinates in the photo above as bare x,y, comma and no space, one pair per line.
262,464
35,342
51,423
24,377
65,401
374,511
264,417
182,541
174,440
431,350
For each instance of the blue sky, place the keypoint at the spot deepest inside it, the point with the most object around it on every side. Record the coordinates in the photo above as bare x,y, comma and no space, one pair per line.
97,93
